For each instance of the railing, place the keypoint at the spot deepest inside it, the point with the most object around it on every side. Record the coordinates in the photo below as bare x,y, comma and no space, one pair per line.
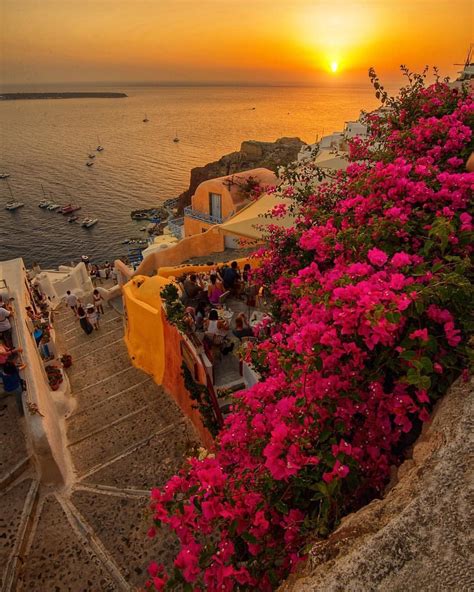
176,227
203,216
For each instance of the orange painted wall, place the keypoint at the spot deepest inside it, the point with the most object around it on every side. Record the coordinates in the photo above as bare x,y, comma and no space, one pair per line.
173,381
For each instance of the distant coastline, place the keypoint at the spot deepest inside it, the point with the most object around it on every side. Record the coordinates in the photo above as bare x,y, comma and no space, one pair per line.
60,95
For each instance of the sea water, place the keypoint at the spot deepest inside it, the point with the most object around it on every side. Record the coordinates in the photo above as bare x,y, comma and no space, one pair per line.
45,143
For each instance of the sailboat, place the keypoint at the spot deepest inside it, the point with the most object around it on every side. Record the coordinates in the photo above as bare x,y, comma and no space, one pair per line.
146,119
90,163
12,204
91,154
176,139
99,147
44,203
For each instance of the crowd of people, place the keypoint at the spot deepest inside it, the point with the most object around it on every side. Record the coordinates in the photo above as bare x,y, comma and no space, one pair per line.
205,295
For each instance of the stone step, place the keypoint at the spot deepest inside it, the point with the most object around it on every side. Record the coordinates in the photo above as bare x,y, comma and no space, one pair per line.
112,408
67,324
98,339
17,505
58,559
75,338
123,379
101,446
81,378
99,355
121,523
165,453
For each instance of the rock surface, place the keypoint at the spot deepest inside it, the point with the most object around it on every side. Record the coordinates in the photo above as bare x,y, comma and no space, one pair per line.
252,154
419,536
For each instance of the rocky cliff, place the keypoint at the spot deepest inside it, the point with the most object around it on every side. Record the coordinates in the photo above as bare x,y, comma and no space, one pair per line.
252,154
419,536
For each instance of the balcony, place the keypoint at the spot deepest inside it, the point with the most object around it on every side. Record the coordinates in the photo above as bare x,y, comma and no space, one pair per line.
202,216
176,227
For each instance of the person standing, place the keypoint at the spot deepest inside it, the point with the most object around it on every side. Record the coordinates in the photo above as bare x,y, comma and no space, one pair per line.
83,321
12,383
98,301
71,300
5,326
92,316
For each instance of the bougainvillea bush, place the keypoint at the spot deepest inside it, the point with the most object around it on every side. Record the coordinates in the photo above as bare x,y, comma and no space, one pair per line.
371,317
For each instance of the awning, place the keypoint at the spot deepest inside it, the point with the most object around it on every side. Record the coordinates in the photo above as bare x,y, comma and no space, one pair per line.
244,223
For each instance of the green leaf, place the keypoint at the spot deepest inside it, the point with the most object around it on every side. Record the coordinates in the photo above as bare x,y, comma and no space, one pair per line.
281,507
427,364
408,355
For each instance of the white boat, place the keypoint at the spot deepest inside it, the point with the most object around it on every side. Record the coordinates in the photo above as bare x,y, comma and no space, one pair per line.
44,203
14,205
99,147
88,222
53,206
4,175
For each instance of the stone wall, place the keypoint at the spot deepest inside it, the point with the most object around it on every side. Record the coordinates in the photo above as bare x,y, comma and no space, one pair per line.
419,536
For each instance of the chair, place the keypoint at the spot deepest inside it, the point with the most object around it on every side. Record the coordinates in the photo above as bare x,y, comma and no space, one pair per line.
223,297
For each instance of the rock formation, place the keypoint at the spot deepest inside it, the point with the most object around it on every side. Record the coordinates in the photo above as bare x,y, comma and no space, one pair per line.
419,536
252,154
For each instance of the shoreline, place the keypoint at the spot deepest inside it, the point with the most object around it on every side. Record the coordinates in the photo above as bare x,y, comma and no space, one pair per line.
61,95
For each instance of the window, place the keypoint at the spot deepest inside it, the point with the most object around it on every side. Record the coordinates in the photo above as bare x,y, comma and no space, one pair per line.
215,205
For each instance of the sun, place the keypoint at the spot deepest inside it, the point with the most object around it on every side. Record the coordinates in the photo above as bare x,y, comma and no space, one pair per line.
334,67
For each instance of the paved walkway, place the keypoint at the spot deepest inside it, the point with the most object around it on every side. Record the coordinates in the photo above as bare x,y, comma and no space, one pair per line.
125,435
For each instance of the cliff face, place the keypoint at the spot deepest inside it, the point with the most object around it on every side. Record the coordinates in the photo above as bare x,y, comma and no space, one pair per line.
252,154
419,536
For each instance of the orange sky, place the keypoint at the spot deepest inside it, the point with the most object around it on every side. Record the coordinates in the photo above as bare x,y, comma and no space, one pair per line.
255,41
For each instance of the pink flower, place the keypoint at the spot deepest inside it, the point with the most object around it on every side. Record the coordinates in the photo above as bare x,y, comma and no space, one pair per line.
401,259
377,257
420,334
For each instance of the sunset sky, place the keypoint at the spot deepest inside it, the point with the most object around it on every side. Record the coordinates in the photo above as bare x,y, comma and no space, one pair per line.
255,41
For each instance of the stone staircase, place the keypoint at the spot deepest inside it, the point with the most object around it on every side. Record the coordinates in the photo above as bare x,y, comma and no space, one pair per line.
124,436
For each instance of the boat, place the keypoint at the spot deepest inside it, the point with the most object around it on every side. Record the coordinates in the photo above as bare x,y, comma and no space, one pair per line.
44,203
91,154
14,205
69,209
53,206
99,147
72,219
176,139
146,119
89,163
88,222
4,175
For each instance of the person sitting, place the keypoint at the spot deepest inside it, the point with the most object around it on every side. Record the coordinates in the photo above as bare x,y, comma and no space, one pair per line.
242,328
216,331
8,353
215,290
192,288
12,383
189,318
199,316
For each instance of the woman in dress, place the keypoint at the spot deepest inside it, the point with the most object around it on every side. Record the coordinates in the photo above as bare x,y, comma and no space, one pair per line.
85,325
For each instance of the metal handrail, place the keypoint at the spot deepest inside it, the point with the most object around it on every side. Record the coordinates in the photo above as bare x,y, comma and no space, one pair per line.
203,216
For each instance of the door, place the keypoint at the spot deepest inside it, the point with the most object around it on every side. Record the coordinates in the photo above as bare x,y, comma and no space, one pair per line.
215,205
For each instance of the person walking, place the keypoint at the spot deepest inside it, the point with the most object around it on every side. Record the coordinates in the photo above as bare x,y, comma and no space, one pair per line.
72,302
83,321
12,383
92,316
98,301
